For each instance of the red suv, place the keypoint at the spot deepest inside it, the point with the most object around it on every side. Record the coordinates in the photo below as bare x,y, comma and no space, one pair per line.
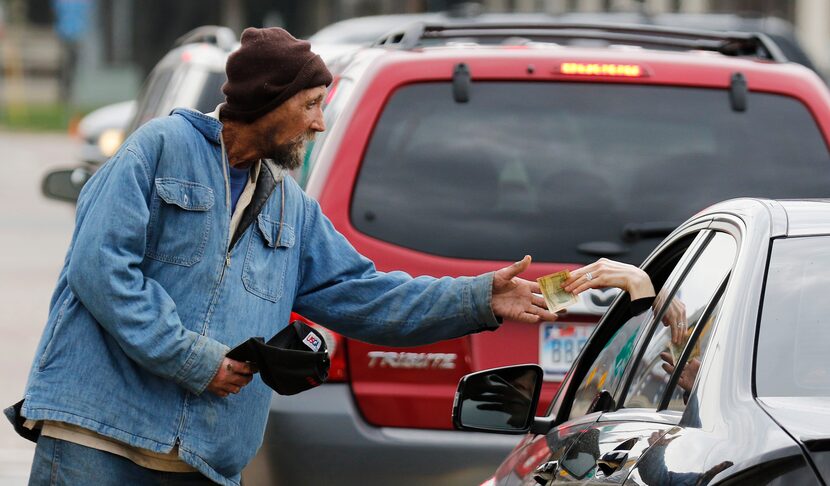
454,150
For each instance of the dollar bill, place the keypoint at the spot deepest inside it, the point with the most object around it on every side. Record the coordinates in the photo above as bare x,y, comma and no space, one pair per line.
676,350
556,297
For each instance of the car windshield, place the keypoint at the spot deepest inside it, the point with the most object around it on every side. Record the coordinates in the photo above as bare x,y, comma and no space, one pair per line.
794,334
568,172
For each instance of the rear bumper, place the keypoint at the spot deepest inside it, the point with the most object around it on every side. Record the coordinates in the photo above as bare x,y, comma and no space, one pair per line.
319,437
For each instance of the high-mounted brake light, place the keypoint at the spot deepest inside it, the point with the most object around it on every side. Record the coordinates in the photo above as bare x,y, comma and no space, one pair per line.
597,69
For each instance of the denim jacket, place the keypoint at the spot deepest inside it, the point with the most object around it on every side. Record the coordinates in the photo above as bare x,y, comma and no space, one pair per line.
152,295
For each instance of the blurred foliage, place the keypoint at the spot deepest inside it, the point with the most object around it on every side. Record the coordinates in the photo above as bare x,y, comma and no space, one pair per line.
49,117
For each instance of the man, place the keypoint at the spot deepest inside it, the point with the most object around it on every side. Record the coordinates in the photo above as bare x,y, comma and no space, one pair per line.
192,239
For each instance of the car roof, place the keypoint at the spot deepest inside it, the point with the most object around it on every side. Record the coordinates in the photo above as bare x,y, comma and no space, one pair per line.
203,54
600,42
359,30
778,29
807,216
786,217
545,57
364,30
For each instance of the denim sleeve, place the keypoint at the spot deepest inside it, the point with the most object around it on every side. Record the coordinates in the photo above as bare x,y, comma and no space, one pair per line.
105,275
342,290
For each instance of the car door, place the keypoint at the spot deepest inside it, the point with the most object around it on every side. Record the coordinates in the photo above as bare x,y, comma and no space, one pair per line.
654,393
599,440
596,374
537,458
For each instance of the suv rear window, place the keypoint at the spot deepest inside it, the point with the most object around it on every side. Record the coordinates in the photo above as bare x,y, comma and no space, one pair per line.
570,171
791,358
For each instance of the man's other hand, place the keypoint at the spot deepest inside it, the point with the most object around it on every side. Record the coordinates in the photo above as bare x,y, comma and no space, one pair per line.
231,377
518,299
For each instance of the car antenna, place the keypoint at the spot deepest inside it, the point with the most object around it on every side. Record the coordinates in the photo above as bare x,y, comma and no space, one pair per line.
461,83
738,92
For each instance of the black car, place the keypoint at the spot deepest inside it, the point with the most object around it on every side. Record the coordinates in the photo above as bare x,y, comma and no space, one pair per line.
749,405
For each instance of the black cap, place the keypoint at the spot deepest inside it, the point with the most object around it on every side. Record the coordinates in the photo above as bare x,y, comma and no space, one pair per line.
294,360
270,67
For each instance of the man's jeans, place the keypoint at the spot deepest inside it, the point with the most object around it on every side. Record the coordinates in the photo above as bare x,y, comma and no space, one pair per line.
58,462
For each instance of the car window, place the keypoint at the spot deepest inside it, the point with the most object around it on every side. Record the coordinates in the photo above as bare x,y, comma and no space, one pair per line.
698,341
151,96
794,332
210,96
567,172
686,306
609,366
607,369
183,86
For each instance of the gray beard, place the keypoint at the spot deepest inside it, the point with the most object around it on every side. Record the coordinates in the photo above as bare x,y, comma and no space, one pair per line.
291,156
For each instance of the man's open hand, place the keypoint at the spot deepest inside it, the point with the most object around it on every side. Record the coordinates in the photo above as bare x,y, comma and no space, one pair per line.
518,299
231,377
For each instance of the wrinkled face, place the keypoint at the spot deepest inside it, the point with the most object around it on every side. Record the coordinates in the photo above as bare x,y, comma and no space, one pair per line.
286,131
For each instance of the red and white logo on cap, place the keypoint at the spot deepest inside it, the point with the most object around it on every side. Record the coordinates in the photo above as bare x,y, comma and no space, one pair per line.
312,341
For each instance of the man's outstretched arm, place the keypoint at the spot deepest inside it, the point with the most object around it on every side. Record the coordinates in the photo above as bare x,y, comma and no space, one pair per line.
518,299
343,291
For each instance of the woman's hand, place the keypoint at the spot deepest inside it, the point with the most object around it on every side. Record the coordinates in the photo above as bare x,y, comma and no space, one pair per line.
608,273
675,316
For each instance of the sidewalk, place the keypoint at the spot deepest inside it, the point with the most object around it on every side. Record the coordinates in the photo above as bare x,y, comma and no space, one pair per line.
14,466
35,233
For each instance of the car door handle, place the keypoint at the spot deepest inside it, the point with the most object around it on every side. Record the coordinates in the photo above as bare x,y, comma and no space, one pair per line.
544,473
611,461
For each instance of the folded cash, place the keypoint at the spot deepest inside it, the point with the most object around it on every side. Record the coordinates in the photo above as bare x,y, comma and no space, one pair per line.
676,350
556,298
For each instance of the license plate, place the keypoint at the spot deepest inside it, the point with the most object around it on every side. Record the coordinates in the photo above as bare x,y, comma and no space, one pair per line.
559,345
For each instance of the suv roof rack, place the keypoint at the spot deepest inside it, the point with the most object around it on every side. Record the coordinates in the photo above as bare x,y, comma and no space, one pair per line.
748,44
222,37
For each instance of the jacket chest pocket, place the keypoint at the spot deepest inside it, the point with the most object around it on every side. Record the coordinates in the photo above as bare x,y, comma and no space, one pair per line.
180,220
266,261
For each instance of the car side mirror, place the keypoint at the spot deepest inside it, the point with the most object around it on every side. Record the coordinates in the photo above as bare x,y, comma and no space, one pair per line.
65,184
501,400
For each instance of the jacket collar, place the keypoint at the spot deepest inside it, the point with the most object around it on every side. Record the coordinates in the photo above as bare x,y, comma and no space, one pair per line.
210,127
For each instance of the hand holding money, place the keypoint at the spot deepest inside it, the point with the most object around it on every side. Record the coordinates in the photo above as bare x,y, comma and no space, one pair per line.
555,296
515,298
608,273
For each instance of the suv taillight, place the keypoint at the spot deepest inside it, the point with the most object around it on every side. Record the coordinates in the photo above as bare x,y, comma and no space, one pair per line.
336,345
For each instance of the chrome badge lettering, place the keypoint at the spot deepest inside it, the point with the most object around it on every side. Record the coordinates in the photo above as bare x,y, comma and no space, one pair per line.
392,359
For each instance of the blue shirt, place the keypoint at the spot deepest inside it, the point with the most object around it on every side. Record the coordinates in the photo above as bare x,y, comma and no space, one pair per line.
237,182
151,298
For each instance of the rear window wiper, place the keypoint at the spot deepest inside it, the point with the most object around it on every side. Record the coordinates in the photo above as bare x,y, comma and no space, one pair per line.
643,231
632,233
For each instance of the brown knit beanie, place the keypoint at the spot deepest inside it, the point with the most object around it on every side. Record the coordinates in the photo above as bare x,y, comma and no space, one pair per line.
270,67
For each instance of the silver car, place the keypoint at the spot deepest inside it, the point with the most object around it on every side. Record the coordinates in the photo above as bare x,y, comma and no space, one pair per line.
750,402
189,76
